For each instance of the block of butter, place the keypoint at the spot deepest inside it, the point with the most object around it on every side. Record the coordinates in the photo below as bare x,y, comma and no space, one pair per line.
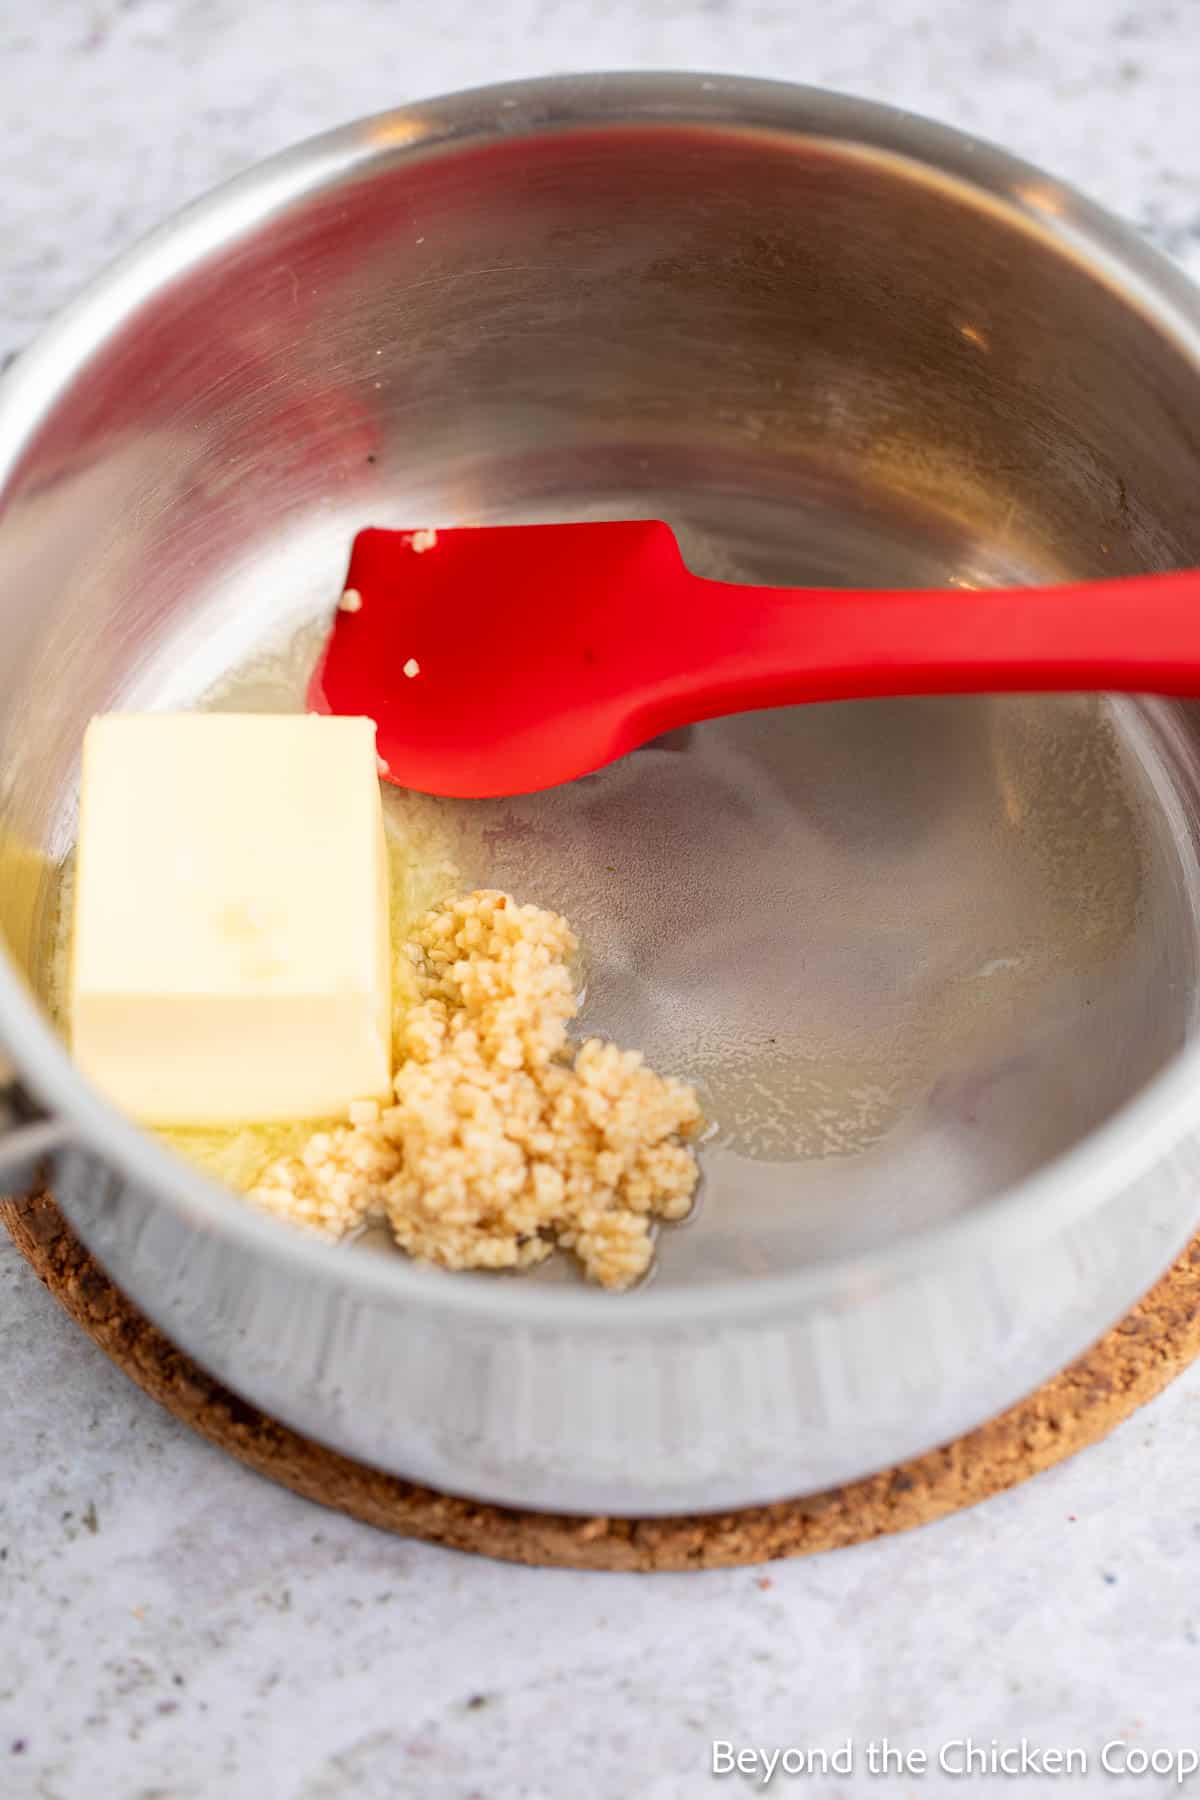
231,958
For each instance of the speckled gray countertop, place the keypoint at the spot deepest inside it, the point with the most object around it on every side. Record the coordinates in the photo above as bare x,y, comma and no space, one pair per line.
170,1626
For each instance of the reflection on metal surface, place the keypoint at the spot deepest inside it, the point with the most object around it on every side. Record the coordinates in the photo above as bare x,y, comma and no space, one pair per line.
395,130
1044,197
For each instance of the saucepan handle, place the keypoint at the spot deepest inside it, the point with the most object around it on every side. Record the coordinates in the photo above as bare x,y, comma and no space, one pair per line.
28,1138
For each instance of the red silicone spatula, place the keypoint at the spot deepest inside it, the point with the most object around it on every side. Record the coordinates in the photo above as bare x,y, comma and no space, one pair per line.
499,660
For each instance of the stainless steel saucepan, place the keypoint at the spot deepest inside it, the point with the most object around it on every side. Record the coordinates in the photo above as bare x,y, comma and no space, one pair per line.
934,963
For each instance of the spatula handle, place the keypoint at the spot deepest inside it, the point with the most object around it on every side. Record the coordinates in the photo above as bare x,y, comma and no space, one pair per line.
774,646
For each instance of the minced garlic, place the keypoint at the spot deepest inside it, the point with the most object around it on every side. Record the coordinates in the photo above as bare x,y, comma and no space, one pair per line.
501,1143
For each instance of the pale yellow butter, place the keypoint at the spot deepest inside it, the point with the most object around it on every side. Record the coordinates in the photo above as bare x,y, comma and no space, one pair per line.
231,958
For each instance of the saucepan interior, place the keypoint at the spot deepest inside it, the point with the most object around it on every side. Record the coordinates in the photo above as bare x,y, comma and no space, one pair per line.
911,952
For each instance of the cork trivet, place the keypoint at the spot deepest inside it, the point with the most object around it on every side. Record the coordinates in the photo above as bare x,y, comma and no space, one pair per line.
1137,1358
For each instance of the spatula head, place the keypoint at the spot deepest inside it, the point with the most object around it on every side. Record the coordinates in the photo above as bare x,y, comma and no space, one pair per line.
504,659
